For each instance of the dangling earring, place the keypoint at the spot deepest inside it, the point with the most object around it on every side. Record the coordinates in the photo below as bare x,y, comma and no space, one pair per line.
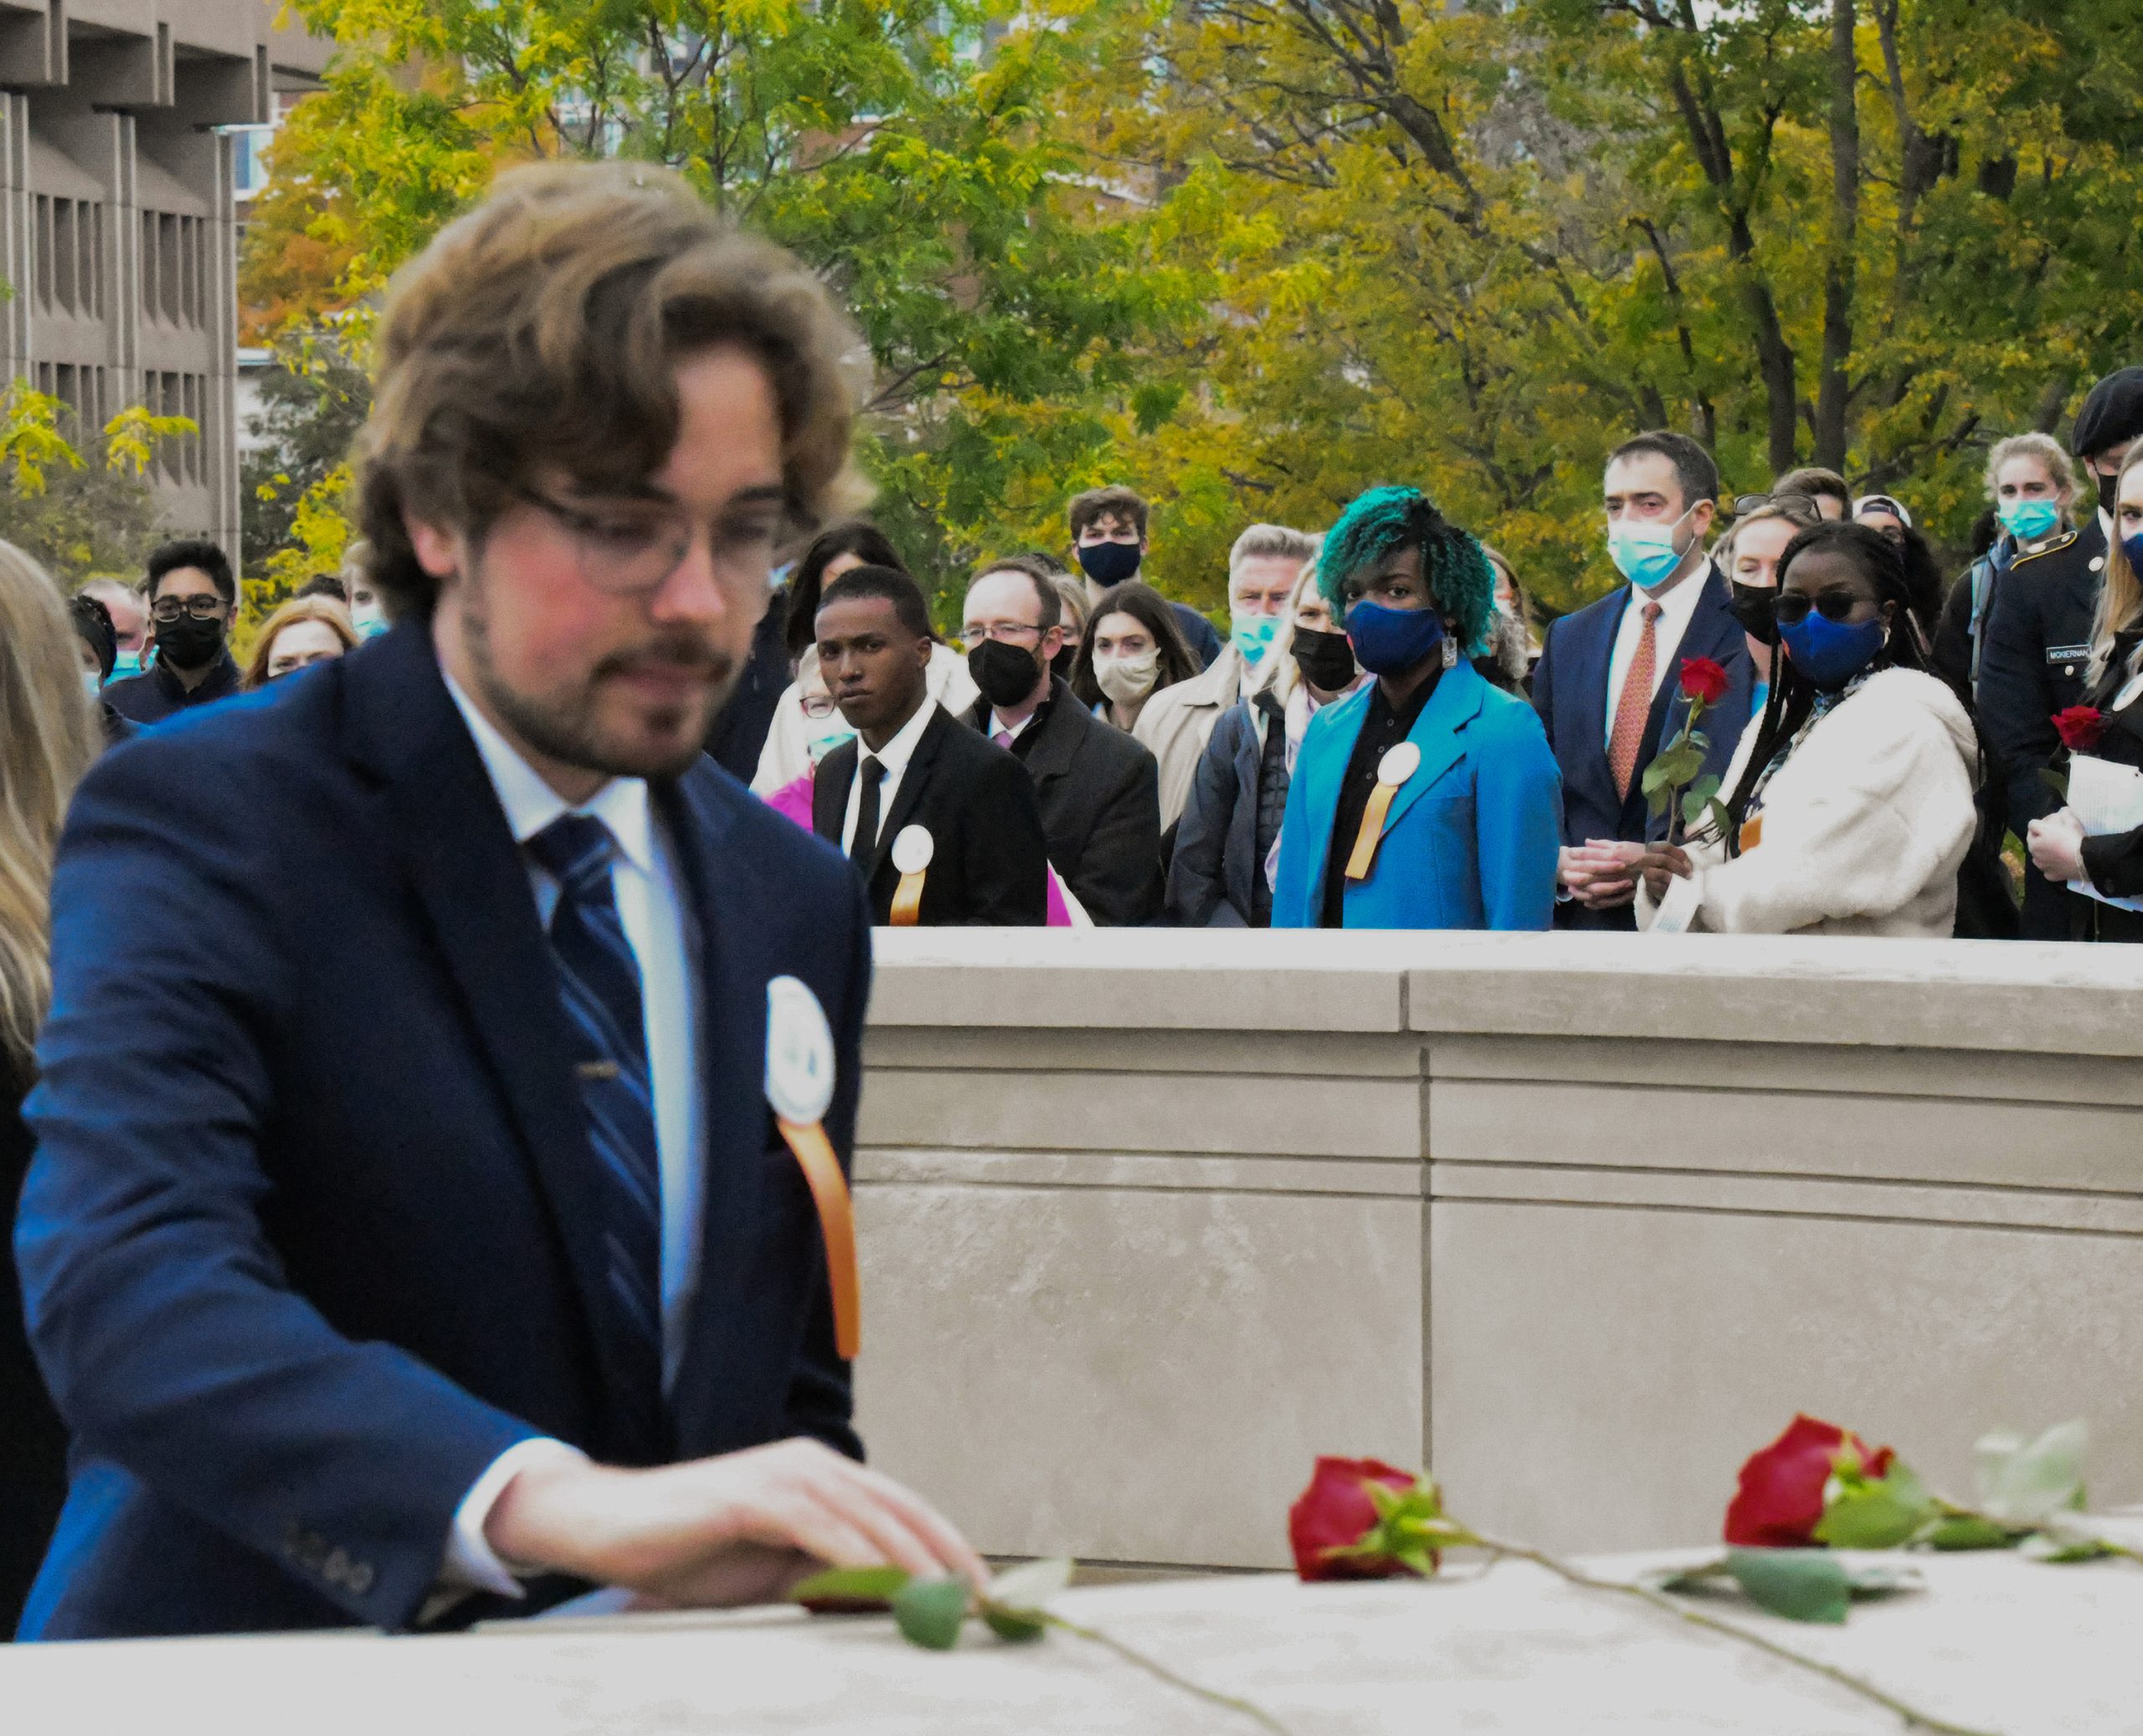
1449,651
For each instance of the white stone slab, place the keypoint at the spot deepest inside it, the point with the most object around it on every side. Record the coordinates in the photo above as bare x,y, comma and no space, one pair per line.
1994,1643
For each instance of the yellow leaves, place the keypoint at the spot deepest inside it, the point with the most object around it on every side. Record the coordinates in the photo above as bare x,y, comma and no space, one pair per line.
30,438
132,436
320,533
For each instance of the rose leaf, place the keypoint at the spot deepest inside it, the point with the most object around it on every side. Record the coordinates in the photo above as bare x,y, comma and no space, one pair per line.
871,1586
1801,1584
930,1612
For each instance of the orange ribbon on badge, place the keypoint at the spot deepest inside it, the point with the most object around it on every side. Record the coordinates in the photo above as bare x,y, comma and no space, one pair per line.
1366,840
814,1156
907,901
1752,832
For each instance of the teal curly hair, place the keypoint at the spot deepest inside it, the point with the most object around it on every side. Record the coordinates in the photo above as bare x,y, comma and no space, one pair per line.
1459,577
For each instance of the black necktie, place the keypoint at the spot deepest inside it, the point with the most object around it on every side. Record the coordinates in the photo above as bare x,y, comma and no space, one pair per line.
872,773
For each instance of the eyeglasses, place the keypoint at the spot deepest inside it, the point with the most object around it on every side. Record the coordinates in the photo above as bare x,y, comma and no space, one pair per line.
169,610
1791,502
1836,604
1011,633
629,552
818,705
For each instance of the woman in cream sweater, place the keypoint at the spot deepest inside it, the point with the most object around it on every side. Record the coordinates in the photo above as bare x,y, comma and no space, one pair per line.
1849,804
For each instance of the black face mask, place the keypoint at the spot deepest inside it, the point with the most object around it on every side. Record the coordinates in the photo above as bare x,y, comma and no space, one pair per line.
1005,673
1756,608
188,643
2109,488
1326,659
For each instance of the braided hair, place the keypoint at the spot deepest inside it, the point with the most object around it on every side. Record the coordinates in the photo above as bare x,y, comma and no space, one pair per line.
1792,694
1460,582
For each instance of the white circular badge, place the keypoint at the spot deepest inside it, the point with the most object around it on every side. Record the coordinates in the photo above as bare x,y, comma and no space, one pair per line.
800,1052
1399,764
912,850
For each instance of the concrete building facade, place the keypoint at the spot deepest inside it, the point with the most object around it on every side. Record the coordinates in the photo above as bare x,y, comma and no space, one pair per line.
118,234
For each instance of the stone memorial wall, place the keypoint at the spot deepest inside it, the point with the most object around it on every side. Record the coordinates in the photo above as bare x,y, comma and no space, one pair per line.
1149,1219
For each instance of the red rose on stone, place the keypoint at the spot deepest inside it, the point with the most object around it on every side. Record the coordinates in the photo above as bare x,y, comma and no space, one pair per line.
1703,678
2080,727
1781,1498
1334,1512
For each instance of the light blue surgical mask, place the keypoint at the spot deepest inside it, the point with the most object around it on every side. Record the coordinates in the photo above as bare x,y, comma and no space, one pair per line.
1252,634
125,664
368,620
2025,520
1643,550
92,683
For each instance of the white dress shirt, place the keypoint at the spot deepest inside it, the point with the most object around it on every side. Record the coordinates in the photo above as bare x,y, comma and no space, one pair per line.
660,932
1676,607
894,756
1010,731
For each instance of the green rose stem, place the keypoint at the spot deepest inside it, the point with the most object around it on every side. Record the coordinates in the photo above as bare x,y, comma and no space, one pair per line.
1093,1635
1659,1600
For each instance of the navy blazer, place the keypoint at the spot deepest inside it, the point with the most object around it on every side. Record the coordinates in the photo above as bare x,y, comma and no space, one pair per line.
1569,692
312,1233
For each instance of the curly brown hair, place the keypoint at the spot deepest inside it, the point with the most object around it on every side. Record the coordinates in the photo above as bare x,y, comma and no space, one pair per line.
542,331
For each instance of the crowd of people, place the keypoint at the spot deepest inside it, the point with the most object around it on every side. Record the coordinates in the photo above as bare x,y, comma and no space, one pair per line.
349,1243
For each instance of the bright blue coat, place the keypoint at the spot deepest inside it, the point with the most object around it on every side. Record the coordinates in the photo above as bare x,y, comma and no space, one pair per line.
1470,838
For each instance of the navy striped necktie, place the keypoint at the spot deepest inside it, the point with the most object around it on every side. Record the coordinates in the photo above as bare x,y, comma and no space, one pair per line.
599,981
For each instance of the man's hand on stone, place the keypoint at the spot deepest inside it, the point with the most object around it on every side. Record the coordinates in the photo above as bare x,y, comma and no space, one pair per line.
739,1528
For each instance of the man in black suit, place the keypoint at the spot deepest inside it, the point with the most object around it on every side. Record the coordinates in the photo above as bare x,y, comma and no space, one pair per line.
1099,789
942,826
2038,637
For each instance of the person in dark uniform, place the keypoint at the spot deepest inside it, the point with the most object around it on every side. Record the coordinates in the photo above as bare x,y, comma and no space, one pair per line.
2039,635
2110,863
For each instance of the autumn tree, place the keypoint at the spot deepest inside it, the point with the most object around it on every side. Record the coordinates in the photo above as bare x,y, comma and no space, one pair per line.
911,152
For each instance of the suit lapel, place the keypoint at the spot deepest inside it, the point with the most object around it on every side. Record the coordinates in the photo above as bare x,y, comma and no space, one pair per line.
830,793
732,1025
1056,746
472,885
1438,733
913,781
1596,664
1712,632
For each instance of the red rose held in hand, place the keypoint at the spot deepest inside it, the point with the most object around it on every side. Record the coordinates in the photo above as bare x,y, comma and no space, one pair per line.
1781,1498
1333,1512
2080,727
1703,678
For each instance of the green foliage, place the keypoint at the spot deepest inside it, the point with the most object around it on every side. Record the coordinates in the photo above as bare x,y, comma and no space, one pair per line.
1801,1584
929,1612
2025,1483
911,150
78,515
313,400
1865,1512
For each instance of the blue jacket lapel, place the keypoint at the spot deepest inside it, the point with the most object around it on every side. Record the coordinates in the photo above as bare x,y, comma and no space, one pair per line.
1438,733
1593,655
472,885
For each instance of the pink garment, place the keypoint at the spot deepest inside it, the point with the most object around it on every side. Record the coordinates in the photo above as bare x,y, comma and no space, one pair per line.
794,801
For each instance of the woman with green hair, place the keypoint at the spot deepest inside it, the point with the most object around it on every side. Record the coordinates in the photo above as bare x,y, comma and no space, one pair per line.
1428,798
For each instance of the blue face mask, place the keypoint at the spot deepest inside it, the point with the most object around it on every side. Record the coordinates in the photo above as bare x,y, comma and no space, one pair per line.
1643,550
1391,641
2132,546
125,664
1252,635
1108,563
1830,653
2025,520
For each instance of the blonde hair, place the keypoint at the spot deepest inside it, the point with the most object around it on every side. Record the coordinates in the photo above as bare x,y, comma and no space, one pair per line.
2120,598
297,610
1277,672
49,735
2048,450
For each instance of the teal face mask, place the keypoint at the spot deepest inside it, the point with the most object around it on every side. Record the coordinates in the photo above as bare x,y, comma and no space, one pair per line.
125,664
2025,520
1252,634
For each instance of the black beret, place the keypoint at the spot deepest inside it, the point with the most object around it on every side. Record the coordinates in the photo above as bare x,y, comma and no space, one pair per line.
2112,415
93,627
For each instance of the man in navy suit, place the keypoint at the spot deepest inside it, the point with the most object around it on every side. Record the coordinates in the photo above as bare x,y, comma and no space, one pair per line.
1607,685
411,1238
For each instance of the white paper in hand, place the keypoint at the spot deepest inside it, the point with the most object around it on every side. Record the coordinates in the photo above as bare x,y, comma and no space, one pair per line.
2105,796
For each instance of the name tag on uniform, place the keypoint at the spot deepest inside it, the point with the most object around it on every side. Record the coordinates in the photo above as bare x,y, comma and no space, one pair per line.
2071,658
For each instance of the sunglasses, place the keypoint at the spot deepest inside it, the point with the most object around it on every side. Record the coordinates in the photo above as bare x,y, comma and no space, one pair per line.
1837,604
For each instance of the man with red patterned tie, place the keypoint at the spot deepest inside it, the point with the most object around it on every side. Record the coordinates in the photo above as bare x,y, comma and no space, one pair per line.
1604,685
